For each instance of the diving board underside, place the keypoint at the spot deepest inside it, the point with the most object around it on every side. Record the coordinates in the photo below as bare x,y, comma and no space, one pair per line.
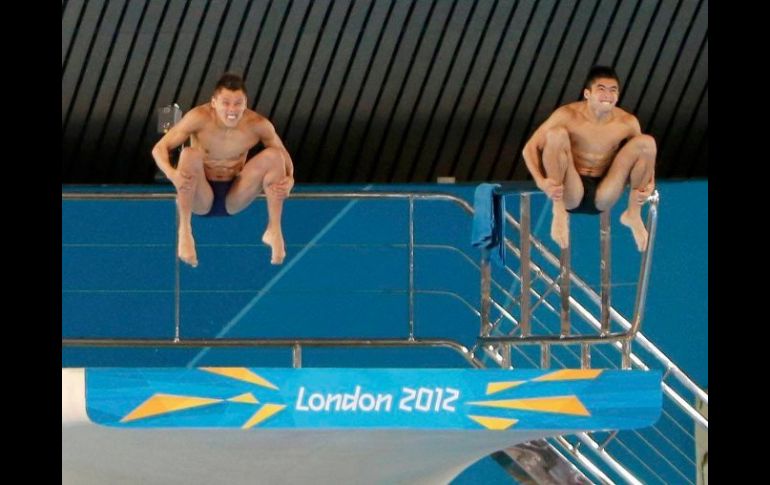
143,448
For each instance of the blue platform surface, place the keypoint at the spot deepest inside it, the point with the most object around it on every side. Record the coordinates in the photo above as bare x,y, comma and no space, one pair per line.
346,275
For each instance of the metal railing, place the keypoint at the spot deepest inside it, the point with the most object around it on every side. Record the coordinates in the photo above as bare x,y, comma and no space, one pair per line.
565,278
409,196
499,344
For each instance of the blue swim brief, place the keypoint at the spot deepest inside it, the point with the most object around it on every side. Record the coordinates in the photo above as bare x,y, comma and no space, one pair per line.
218,208
588,202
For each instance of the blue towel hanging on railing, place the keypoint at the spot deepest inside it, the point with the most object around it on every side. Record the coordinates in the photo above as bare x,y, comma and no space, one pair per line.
488,222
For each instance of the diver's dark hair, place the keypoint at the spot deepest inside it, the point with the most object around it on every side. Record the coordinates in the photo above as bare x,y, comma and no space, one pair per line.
230,81
598,72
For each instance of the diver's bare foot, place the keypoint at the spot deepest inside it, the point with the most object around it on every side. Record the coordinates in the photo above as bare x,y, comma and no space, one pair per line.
560,228
186,249
274,239
637,229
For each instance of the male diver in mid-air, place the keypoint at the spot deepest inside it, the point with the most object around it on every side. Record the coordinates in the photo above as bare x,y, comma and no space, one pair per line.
213,176
584,153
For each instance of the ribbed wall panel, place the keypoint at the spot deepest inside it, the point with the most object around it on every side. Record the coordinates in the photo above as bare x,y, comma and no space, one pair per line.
379,90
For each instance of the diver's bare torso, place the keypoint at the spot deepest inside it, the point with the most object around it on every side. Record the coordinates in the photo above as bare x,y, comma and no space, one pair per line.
595,144
225,149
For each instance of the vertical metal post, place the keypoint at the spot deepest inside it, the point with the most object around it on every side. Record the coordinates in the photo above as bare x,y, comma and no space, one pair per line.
505,351
644,278
605,267
564,272
545,356
585,356
625,363
411,268
177,280
524,233
486,283
168,116
296,356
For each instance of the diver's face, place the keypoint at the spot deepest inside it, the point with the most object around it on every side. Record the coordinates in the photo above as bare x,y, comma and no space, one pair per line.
603,94
229,106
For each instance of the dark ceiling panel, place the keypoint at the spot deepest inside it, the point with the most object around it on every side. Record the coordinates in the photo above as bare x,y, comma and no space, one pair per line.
379,90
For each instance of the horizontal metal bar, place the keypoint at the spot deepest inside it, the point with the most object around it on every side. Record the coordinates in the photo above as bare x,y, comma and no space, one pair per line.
273,342
253,342
553,339
295,195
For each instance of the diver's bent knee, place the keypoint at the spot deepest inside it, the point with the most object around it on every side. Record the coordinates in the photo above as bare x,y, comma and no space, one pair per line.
645,144
272,154
192,152
191,157
558,134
